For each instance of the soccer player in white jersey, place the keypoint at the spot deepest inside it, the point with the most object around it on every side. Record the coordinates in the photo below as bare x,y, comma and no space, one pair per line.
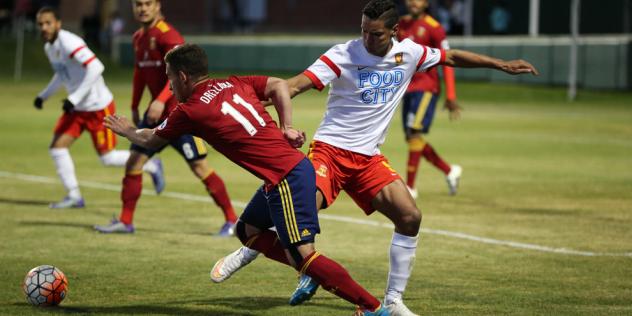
368,77
89,100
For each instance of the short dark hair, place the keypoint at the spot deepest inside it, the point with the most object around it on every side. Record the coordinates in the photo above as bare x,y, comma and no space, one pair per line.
382,10
188,58
47,9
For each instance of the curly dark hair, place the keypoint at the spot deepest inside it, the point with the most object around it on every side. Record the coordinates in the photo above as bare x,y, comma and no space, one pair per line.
382,10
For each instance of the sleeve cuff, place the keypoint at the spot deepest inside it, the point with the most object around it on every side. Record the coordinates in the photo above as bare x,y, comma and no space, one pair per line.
317,83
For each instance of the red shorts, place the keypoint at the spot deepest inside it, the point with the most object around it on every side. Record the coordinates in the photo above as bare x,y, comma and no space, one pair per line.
74,123
361,176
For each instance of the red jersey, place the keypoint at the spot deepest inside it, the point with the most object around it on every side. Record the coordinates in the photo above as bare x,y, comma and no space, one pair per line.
227,114
428,32
150,48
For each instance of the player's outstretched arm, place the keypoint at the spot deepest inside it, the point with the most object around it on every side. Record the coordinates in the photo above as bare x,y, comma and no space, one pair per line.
277,90
143,137
465,59
299,84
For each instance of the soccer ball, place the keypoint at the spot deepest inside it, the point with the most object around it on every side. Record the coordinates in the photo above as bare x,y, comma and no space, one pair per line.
45,286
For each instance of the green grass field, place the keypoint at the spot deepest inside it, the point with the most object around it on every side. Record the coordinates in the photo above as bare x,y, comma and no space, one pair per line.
537,171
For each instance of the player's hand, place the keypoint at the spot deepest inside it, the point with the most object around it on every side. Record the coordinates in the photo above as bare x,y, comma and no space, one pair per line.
68,107
155,112
516,67
295,137
454,108
135,117
118,124
38,103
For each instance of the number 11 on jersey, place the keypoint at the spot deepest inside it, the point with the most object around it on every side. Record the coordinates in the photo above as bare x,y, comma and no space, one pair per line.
229,109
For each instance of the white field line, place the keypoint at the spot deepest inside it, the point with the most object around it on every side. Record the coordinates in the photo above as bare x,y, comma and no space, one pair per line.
345,219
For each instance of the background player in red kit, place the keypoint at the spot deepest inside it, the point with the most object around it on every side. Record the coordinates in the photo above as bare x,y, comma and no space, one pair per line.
151,42
227,114
422,95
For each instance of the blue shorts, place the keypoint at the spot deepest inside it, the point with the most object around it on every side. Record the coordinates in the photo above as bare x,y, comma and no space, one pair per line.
290,207
418,111
190,147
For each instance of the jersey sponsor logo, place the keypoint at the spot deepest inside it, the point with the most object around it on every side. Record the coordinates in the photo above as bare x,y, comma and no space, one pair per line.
399,58
152,43
421,31
379,86
149,63
214,90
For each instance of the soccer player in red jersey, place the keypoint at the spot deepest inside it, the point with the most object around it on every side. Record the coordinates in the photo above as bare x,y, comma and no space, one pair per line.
422,95
151,42
227,114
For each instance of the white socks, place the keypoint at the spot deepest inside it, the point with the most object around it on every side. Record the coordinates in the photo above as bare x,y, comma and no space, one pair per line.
115,158
66,171
402,258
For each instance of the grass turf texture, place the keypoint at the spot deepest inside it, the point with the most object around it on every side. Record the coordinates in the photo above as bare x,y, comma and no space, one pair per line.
536,170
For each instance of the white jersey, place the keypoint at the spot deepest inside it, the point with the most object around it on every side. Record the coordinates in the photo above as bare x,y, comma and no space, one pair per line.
79,70
365,90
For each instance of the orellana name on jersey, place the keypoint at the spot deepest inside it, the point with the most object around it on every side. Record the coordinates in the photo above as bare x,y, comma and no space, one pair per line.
215,89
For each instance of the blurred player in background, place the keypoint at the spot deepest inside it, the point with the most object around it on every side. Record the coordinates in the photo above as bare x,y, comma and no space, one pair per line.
151,42
227,113
368,77
89,101
422,95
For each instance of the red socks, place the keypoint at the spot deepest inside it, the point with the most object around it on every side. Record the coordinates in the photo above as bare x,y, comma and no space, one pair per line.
429,153
132,187
269,245
216,188
413,163
335,279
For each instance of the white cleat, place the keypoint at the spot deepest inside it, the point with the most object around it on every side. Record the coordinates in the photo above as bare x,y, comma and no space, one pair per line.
224,268
397,308
413,192
453,178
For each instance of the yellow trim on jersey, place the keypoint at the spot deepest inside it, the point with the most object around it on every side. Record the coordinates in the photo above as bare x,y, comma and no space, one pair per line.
310,154
416,144
421,110
431,21
314,256
134,172
199,144
288,211
162,26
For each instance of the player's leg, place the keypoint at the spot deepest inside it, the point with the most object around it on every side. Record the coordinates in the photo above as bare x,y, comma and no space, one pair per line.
194,152
412,104
395,203
451,172
68,129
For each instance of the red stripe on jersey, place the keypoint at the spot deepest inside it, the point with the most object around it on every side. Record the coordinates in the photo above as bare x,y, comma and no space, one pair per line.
76,50
317,83
85,64
442,61
423,58
331,65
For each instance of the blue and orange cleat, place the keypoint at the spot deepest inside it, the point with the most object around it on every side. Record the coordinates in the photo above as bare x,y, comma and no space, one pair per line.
68,202
158,177
304,291
116,227
381,311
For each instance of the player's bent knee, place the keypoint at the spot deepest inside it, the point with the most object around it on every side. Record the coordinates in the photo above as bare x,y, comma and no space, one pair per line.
240,231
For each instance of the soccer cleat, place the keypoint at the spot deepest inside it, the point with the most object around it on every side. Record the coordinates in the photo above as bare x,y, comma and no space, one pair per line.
382,311
68,202
304,291
453,178
224,268
413,192
115,226
158,177
227,230
397,308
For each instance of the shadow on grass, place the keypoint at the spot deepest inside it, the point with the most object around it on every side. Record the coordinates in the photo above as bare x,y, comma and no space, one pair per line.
23,202
59,224
226,306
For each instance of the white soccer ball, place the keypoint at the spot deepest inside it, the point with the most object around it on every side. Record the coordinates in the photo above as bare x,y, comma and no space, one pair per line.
45,286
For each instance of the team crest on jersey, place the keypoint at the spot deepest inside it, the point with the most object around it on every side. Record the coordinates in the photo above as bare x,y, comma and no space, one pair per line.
152,43
399,58
421,31
322,171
